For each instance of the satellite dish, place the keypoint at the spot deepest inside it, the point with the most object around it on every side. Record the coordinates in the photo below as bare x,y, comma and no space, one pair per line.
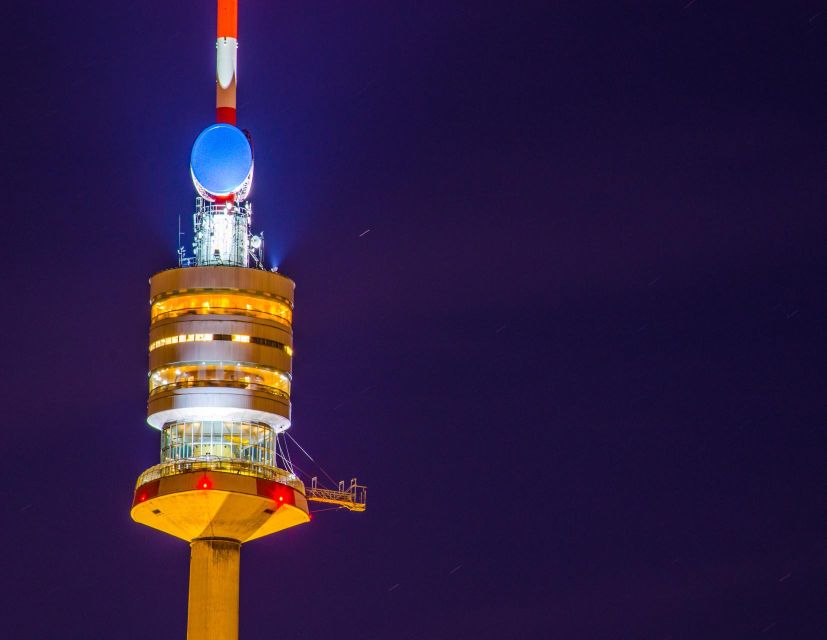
221,162
255,242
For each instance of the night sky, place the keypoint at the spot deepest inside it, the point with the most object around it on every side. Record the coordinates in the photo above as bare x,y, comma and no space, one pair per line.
560,305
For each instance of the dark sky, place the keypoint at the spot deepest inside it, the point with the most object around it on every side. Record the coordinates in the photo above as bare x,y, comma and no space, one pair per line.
578,358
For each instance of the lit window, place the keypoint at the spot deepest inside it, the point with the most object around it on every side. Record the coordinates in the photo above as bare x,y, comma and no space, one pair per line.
209,440
218,374
258,306
217,337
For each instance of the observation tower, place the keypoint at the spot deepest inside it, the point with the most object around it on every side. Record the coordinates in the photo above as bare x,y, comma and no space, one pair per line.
220,376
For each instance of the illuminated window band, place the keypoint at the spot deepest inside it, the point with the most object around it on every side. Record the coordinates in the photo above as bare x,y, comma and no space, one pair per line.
210,337
217,302
220,374
205,440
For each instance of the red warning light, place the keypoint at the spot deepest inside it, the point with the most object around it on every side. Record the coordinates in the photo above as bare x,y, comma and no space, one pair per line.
204,483
281,498
142,497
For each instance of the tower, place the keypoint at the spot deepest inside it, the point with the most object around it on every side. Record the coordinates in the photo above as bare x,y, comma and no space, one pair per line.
220,375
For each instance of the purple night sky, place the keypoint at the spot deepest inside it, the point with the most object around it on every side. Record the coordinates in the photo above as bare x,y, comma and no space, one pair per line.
578,358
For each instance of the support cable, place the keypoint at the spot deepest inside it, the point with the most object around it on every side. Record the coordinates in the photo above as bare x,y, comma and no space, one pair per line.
311,459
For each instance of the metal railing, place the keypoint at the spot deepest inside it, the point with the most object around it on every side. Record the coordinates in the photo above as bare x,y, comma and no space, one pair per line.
354,497
209,311
224,465
234,384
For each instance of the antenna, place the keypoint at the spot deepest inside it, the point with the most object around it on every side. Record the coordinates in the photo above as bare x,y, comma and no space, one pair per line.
226,46
180,249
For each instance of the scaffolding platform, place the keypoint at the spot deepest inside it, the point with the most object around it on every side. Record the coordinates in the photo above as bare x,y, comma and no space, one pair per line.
353,497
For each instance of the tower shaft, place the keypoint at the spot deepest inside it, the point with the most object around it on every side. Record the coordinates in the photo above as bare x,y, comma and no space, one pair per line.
213,596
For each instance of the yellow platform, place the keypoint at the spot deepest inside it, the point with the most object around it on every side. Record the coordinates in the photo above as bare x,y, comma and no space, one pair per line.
212,504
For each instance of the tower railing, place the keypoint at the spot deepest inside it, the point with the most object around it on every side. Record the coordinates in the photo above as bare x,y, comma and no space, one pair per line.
235,384
224,465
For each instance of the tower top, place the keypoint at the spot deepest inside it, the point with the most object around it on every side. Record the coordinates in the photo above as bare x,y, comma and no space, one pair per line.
221,166
222,156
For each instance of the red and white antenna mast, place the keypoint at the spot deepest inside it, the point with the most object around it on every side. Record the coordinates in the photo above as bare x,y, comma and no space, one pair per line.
226,70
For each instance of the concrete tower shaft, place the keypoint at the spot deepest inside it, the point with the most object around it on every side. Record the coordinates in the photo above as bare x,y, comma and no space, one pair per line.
213,597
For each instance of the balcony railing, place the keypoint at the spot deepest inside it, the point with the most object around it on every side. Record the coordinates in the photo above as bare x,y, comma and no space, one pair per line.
214,310
224,465
234,384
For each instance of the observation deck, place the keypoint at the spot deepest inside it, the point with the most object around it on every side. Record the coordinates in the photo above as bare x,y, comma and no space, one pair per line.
222,465
230,498
352,497
220,377
221,347
219,498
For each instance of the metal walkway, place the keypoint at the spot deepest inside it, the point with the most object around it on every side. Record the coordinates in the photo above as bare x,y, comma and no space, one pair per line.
353,498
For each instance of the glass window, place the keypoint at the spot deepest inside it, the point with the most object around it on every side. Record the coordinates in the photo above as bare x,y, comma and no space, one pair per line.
208,440
218,337
218,302
219,374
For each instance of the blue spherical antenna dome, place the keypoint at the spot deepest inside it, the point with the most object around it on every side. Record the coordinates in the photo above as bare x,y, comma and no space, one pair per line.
221,162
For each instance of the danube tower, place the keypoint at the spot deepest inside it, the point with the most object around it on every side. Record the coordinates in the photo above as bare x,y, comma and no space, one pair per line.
220,373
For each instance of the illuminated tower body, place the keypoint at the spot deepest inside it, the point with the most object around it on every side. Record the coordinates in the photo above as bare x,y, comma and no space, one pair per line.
220,371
